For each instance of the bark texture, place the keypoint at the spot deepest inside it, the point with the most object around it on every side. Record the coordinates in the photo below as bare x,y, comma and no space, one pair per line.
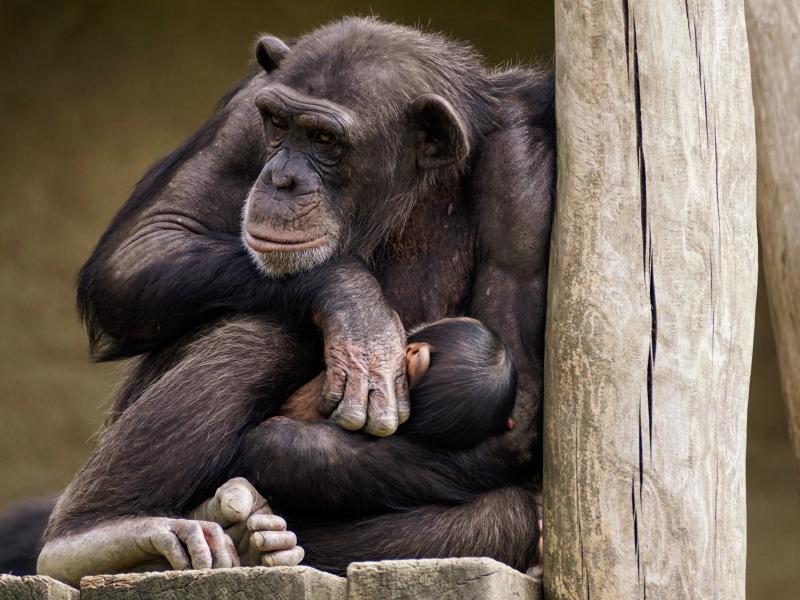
651,301
774,30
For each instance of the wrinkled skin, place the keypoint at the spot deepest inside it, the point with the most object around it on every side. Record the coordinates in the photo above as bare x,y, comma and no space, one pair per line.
365,386
233,528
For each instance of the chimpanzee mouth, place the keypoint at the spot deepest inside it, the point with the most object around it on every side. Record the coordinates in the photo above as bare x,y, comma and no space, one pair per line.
262,244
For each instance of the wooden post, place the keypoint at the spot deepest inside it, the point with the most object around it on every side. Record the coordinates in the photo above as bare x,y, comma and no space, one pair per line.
652,291
774,31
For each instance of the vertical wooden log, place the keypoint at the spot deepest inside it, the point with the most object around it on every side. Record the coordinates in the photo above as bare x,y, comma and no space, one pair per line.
651,301
774,31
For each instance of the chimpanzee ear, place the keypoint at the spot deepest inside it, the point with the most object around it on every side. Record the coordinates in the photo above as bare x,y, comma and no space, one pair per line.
441,136
418,359
270,51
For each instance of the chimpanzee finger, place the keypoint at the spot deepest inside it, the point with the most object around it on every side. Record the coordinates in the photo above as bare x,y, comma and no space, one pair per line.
382,410
193,537
403,400
260,519
273,541
332,390
284,558
223,554
235,562
266,523
352,410
168,546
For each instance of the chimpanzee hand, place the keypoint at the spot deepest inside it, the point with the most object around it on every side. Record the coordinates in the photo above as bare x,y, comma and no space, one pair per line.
365,385
259,536
136,544
184,543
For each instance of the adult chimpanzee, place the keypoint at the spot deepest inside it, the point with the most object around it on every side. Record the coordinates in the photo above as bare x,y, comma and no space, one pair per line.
398,177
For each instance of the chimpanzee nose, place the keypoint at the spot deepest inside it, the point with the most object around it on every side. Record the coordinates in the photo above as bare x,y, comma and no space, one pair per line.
282,179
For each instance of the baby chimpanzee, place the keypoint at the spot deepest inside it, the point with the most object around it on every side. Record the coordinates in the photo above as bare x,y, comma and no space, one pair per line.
462,382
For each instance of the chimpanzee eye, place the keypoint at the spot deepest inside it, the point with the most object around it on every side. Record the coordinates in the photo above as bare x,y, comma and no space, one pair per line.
323,137
277,121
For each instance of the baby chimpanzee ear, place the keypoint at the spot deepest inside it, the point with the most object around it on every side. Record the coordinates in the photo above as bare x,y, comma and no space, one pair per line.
270,51
418,359
440,133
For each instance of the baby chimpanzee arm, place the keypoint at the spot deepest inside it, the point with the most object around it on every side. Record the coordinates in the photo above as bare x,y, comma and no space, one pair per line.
306,464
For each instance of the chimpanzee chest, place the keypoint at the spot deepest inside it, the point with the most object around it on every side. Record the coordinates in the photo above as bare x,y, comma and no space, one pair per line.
426,271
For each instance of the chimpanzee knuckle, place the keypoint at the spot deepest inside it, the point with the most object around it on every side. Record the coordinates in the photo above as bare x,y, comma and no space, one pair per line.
351,419
213,529
161,541
284,558
383,419
382,426
190,531
266,523
272,541
167,545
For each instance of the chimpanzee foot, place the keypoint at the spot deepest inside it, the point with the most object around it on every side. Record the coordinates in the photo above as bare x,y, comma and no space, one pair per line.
260,537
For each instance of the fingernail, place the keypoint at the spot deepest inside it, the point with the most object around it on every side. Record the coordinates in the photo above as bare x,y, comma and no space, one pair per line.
237,505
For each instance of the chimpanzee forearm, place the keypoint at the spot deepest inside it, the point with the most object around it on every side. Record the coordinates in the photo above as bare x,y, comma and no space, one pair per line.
501,524
181,279
302,465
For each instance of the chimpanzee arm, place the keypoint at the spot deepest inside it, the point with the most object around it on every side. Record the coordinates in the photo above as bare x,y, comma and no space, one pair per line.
173,257
501,524
302,465
515,190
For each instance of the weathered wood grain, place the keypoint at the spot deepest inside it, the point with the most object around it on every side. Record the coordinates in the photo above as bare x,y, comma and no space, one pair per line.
774,31
651,301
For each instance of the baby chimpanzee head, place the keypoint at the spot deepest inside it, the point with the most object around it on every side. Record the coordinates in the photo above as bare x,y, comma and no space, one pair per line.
463,383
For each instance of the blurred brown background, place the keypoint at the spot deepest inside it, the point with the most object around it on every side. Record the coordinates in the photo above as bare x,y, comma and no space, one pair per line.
93,92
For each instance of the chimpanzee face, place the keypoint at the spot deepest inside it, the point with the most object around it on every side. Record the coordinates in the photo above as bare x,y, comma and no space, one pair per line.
346,147
292,220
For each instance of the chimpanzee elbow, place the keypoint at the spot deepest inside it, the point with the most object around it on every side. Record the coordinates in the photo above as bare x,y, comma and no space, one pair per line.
107,312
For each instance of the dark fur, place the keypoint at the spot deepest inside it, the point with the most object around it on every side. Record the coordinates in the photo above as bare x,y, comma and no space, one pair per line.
467,239
468,392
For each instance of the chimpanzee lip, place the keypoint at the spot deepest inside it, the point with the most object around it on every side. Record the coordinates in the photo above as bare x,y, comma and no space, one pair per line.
261,243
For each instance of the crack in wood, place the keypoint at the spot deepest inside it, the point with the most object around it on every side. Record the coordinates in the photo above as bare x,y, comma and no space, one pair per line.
627,37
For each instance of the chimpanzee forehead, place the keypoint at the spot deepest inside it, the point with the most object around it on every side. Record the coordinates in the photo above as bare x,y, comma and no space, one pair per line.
363,64
362,84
